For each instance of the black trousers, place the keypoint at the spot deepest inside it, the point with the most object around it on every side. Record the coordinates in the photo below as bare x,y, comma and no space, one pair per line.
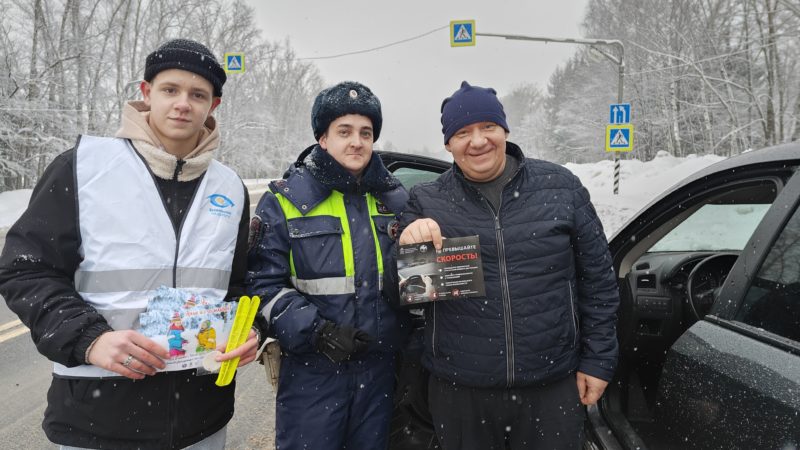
530,418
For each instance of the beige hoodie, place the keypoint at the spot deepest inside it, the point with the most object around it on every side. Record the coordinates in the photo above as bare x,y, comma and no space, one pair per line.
136,127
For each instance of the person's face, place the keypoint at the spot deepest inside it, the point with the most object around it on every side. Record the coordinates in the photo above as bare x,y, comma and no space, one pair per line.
180,102
479,150
349,141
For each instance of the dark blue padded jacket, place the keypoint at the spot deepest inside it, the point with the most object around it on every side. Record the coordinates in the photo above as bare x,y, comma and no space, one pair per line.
551,293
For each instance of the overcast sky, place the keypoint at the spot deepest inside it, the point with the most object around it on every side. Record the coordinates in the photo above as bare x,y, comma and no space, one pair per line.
412,78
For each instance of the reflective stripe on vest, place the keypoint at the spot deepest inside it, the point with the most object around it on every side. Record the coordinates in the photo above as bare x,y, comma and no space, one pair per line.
149,279
333,206
128,243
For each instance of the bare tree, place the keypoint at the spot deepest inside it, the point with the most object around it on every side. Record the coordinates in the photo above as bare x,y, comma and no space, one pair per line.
709,76
68,66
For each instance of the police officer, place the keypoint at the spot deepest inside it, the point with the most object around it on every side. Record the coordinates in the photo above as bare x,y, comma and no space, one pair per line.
321,241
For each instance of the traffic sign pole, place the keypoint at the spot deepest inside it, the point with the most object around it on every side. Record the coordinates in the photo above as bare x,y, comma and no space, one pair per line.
619,100
593,43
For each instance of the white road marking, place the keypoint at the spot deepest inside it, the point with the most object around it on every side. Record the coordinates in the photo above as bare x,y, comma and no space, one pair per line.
16,327
11,324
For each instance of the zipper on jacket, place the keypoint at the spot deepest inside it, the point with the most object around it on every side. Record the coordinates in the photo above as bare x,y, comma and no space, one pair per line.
433,333
574,319
509,325
501,260
178,169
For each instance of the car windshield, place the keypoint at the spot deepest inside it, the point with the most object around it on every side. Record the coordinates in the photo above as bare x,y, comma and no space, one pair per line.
714,227
409,176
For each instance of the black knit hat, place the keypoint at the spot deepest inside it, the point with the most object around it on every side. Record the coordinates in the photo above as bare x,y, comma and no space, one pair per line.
347,97
186,55
468,105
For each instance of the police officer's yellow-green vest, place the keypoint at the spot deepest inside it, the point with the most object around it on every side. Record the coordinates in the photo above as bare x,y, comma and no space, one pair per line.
330,217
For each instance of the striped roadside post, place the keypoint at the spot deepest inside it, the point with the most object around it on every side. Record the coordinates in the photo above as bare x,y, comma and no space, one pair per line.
619,137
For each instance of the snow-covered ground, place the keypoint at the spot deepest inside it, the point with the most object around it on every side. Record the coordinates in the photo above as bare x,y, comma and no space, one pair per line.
640,182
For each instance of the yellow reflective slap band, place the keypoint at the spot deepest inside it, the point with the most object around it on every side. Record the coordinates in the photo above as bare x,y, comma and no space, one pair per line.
242,322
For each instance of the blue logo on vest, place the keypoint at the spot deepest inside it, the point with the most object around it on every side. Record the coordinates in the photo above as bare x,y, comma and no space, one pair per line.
219,203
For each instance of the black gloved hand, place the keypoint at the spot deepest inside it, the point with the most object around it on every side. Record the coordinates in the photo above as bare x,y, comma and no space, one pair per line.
340,343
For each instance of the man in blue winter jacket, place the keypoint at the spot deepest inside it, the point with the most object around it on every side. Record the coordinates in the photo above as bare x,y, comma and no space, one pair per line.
513,368
320,242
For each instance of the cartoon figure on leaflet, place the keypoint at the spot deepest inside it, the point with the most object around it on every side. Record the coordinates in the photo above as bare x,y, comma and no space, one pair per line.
174,337
206,338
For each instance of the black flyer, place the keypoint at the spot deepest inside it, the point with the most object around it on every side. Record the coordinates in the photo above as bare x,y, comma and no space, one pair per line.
426,275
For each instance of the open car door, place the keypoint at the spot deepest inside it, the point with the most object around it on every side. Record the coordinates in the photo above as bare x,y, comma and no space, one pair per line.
709,323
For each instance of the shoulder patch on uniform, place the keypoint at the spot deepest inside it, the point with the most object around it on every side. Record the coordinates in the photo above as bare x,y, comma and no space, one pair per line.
256,229
392,229
382,209
280,185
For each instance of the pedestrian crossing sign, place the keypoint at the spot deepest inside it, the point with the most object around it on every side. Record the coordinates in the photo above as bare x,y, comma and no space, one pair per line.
234,63
462,33
619,138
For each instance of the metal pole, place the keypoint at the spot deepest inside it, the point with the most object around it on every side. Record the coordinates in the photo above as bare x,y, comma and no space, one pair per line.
620,62
621,70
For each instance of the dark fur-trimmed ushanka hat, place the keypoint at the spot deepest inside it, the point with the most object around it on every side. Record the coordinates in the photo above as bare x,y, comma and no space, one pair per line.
347,97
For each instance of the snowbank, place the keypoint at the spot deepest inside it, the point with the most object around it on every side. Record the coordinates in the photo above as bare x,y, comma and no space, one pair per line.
640,183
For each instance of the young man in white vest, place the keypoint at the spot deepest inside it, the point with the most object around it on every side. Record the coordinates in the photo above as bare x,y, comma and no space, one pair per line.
109,222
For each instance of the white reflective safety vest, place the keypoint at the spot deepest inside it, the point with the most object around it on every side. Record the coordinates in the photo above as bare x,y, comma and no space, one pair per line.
129,246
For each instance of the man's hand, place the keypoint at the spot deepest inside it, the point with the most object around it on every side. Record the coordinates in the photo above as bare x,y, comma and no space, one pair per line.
590,388
422,230
246,352
127,353
339,343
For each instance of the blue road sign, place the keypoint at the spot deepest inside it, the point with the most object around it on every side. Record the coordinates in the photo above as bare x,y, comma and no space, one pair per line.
234,63
462,33
619,113
619,138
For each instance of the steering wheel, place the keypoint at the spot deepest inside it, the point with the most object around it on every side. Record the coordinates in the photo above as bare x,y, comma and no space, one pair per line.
705,281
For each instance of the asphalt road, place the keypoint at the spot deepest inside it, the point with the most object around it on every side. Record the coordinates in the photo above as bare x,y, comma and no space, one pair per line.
25,377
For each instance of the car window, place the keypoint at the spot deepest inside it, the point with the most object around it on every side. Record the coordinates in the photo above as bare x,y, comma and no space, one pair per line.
410,176
772,301
722,219
714,227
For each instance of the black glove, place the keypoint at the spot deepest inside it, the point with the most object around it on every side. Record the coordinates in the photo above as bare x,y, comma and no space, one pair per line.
340,343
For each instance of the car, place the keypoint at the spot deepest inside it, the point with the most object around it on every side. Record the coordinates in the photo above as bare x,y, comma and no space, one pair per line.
709,319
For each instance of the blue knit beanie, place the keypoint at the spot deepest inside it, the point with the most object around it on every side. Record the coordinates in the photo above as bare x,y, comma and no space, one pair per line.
468,105
347,97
